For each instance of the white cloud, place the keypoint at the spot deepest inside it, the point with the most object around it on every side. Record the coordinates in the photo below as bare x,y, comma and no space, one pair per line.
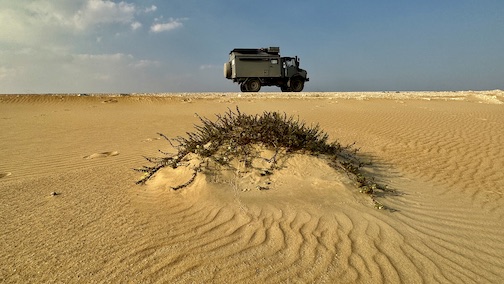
136,25
57,21
46,71
103,57
52,45
30,23
150,9
145,63
168,26
208,66
104,11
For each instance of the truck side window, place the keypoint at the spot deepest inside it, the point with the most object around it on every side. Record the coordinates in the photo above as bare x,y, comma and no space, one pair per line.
274,61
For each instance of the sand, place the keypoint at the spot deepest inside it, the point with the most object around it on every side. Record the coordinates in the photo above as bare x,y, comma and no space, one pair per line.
70,211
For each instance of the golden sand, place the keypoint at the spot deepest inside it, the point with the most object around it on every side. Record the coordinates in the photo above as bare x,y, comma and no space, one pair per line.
70,210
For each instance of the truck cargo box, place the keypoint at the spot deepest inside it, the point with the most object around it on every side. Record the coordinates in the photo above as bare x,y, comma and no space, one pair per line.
255,63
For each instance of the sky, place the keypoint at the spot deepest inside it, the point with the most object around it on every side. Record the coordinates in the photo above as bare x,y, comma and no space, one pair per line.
146,46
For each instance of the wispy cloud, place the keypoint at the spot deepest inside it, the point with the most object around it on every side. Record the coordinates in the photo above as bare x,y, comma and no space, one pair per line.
82,42
104,11
104,57
55,21
208,66
144,63
168,26
150,9
136,25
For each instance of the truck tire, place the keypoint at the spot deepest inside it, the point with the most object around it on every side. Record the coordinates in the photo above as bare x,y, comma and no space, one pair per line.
296,84
227,70
284,88
243,87
253,85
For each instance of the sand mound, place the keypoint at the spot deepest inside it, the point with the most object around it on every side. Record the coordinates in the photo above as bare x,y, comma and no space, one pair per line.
236,143
295,173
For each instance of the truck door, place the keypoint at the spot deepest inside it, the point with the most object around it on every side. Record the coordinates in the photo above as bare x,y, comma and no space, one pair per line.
289,66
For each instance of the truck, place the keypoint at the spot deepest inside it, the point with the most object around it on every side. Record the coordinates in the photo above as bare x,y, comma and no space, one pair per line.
252,68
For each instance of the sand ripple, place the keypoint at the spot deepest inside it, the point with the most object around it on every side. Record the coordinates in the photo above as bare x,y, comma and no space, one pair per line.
444,154
198,236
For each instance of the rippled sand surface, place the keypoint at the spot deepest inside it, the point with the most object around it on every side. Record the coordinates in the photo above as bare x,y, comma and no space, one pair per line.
70,210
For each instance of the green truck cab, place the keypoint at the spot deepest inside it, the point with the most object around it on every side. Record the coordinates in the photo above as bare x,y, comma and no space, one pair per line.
252,68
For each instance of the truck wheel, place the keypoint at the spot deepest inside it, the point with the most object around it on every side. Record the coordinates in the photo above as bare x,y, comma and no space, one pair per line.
227,70
243,87
296,85
253,85
285,88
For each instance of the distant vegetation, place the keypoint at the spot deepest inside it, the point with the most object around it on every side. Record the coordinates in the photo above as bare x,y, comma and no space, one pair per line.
235,136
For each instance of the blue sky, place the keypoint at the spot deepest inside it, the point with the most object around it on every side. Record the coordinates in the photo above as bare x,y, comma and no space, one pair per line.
61,46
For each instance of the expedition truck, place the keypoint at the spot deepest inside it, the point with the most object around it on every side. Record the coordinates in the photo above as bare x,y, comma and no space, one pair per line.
252,68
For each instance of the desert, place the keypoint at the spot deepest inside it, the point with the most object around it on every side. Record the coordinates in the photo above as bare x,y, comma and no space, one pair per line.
72,212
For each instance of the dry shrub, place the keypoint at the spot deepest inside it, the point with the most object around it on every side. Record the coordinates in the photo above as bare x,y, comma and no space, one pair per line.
235,135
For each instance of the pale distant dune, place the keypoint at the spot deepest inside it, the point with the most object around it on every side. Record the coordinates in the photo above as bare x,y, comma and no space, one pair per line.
70,210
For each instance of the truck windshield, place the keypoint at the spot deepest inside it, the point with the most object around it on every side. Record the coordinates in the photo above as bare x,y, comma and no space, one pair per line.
290,62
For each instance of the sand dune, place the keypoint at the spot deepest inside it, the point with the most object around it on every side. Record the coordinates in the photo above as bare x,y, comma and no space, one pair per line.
443,153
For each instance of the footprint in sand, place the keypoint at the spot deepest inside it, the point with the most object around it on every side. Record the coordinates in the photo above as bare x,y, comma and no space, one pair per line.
2,175
151,139
110,101
102,155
